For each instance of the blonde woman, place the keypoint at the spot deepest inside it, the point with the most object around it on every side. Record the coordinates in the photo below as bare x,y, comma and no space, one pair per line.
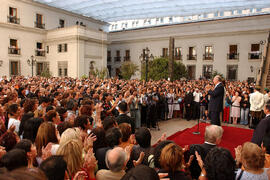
72,152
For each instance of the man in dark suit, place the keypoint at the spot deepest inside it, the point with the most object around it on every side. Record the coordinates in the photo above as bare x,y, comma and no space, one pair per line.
212,137
216,100
123,118
263,127
188,104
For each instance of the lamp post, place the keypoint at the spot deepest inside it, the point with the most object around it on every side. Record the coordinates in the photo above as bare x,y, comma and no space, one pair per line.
144,57
32,62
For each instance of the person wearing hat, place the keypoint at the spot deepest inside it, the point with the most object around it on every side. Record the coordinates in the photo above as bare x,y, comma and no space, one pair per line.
256,107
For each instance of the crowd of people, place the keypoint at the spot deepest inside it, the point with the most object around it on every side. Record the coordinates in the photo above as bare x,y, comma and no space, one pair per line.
65,128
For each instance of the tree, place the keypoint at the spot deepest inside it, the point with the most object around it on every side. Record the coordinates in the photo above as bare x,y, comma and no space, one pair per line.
102,73
128,69
158,69
46,73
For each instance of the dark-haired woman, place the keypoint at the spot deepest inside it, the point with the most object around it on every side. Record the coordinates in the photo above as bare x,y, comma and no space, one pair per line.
244,109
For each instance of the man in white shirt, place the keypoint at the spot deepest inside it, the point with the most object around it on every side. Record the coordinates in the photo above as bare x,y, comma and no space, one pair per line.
14,116
197,97
256,107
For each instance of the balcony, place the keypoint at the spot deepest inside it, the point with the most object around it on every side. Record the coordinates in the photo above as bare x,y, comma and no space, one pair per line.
40,52
13,19
255,55
233,56
126,58
192,57
109,59
117,59
39,25
178,57
14,50
208,56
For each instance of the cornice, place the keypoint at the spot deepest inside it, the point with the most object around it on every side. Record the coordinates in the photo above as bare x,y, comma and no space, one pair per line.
214,34
210,21
23,28
76,37
31,2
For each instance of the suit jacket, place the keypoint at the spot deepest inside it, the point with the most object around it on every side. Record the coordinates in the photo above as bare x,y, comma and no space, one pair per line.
100,156
123,118
216,98
262,128
202,149
105,174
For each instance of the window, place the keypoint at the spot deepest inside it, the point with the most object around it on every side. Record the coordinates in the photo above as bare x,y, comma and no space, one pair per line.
127,57
118,53
62,68
62,48
255,47
161,20
191,69
192,53
207,71
12,18
170,19
13,43
61,23
233,52
65,72
232,72
13,47
39,45
60,72
165,52
14,68
65,47
178,53
59,47
39,21
255,52
118,57
40,68
208,53
13,12
40,51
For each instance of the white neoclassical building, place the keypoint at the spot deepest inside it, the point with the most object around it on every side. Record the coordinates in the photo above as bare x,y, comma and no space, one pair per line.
231,46
62,41
230,42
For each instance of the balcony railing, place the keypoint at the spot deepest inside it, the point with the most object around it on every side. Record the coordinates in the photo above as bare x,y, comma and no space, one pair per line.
178,57
233,56
13,19
208,56
40,52
14,50
192,57
39,25
126,58
109,59
117,59
254,55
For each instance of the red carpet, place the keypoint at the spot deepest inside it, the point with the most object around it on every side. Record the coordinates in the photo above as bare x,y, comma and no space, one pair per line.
232,136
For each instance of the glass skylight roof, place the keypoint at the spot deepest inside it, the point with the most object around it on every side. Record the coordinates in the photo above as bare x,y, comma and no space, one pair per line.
118,10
